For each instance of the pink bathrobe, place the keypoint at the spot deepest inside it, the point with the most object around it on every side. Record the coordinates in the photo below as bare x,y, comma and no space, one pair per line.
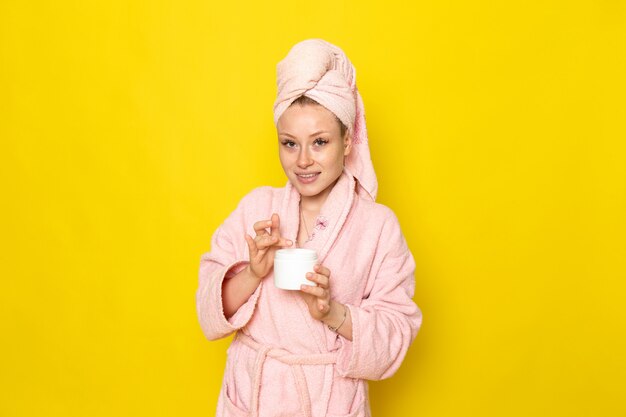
283,362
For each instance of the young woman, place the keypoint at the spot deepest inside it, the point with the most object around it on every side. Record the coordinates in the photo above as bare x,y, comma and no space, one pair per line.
310,352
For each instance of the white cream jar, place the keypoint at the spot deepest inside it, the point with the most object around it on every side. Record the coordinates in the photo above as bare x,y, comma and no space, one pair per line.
291,267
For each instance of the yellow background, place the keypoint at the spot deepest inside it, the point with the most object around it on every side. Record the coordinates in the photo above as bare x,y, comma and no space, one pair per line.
130,130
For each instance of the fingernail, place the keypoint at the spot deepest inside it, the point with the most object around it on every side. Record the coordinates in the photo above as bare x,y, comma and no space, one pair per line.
289,242
317,267
309,275
303,287
269,222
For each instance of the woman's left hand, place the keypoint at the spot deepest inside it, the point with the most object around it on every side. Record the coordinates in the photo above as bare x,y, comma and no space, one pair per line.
317,297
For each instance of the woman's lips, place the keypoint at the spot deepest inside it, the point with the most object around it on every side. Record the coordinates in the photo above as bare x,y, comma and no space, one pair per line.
307,178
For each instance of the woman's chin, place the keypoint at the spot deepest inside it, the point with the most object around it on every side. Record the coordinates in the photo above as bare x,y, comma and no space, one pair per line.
306,191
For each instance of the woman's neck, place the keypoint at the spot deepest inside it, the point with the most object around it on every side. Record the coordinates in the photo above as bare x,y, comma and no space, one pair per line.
313,204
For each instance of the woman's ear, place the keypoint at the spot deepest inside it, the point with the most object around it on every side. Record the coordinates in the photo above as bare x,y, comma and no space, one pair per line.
347,144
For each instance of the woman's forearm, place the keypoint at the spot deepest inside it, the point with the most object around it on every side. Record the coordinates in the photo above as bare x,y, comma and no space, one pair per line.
237,290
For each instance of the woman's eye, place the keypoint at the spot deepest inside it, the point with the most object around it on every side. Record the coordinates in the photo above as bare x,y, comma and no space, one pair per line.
289,143
320,141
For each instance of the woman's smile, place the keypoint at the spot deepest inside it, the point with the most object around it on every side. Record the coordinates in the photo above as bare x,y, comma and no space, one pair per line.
307,178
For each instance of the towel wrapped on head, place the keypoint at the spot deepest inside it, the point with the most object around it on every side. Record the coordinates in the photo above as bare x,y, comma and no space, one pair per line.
322,71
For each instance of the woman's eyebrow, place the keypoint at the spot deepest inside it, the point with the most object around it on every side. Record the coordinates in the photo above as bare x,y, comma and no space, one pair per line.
316,133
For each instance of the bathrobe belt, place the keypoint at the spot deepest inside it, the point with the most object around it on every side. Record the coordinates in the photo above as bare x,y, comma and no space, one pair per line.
295,362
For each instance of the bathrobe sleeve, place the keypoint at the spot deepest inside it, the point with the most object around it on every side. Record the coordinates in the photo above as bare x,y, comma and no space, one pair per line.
228,256
386,322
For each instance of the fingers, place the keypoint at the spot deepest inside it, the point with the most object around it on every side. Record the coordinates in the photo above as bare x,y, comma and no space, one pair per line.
321,269
321,290
251,245
265,241
260,227
318,292
284,242
319,279
323,307
258,243
275,222
275,231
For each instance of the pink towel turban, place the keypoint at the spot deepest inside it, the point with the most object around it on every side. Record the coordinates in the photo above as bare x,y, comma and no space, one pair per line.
322,71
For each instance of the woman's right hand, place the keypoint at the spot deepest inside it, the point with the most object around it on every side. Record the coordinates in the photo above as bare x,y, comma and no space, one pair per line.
264,245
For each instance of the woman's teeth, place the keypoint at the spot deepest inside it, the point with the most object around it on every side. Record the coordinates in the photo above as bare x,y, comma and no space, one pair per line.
307,178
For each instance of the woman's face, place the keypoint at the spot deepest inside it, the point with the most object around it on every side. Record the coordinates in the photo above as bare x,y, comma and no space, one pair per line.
311,148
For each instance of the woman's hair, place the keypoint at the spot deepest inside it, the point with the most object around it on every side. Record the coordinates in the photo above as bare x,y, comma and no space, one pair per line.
304,100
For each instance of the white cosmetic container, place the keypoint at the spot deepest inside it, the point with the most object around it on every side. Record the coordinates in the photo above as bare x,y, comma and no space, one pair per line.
291,267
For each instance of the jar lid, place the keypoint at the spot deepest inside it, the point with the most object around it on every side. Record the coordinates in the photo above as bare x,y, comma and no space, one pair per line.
297,254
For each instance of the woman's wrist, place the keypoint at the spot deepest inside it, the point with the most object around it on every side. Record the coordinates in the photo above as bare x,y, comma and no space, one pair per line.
336,316
251,275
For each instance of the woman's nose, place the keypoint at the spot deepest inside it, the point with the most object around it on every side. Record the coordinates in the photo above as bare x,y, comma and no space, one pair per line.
304,159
